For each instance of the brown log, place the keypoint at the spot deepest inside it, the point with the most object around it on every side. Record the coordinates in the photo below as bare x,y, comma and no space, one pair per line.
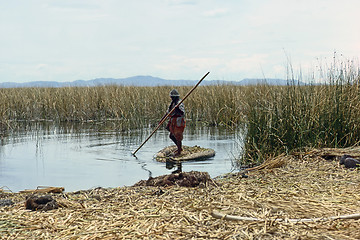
44,190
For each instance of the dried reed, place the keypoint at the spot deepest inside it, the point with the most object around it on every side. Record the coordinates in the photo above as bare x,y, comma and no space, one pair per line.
307,187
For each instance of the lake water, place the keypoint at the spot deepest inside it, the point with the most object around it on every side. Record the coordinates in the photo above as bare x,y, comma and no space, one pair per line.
79,156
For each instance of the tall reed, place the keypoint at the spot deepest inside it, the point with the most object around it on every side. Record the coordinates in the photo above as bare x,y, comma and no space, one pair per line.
131,107
277,119
294,117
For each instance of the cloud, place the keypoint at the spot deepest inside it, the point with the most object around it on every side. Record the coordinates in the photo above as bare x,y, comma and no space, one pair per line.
239,66
183,67
181,62
177,39
181,2
246,63
218,12
73,5
41,66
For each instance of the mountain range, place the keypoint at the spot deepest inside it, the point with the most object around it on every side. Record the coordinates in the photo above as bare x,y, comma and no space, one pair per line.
144,81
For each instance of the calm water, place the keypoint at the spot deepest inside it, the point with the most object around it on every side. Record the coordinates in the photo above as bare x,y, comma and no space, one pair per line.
84,156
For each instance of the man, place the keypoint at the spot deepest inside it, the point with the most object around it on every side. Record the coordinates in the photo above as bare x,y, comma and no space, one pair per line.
176,123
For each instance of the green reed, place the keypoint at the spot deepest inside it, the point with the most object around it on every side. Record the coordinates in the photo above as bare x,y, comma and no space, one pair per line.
276,119
283,119
131,107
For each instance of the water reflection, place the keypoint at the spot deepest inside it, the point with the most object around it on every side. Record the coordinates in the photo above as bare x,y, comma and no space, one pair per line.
171,164
83,156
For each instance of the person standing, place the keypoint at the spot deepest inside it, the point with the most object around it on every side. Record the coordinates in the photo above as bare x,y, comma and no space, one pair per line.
177,123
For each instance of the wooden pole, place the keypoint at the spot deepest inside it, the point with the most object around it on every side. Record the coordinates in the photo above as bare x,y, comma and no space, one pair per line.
172,110
220,215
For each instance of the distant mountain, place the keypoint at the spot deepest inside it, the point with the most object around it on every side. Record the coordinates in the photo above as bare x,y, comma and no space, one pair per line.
142,81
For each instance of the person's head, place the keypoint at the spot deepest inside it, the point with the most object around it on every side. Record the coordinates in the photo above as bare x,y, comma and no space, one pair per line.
174,94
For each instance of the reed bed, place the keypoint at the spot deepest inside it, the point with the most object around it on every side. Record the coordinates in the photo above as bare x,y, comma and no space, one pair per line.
276,119
302,186
130,106
282,119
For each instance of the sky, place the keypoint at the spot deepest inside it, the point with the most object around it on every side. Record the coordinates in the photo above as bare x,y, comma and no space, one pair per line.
67,40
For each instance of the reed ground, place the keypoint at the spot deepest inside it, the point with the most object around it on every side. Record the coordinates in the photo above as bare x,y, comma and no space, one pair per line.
303,185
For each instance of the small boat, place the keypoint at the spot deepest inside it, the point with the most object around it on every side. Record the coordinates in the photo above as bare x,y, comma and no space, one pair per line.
188,154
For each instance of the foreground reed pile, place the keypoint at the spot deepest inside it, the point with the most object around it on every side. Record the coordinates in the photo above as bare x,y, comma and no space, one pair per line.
302,186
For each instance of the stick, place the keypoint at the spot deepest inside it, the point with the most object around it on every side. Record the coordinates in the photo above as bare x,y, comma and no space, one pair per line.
172,110
219,215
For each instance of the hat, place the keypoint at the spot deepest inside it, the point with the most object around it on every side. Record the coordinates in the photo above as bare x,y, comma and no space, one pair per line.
174,93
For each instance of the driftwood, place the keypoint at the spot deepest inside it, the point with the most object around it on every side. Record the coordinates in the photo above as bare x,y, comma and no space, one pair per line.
219,215
44,190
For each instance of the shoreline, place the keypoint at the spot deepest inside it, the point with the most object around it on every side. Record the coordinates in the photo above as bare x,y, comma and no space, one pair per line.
304,186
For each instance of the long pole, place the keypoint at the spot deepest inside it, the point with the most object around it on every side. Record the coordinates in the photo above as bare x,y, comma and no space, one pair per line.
172,110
